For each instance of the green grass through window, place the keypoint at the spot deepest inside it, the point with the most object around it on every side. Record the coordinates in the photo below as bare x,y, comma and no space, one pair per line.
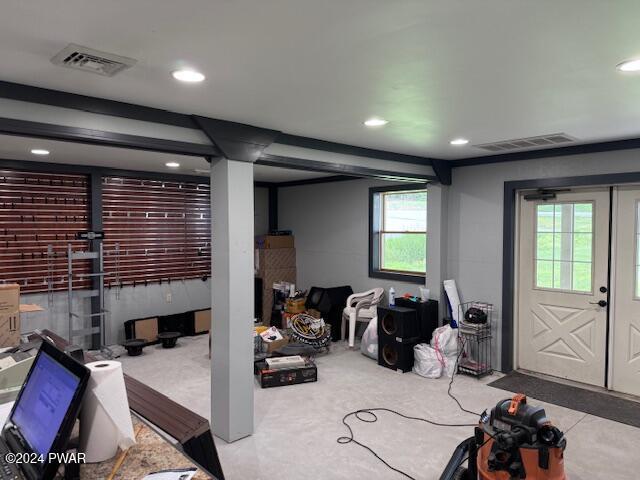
404,252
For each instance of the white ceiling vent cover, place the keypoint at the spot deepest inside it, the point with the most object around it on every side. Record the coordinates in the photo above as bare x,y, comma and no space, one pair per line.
529,142
94,61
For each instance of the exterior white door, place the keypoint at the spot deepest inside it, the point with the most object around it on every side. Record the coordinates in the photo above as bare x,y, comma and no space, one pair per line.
563,265
625,325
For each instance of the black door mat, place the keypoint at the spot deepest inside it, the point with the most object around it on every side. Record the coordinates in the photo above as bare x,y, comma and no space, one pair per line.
587,401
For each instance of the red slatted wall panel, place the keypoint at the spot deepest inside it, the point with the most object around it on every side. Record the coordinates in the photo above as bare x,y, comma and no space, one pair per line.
38,210
162,228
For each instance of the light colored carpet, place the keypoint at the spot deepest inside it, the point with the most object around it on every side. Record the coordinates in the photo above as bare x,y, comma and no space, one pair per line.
296,427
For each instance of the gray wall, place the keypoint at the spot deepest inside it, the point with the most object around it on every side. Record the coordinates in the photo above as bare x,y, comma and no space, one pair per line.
330,222
261,210
475,209
140,301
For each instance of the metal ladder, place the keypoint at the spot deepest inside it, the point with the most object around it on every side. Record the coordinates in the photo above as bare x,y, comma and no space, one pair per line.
83,294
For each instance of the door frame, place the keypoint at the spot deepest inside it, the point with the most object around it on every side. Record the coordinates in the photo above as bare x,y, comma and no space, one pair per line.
508,329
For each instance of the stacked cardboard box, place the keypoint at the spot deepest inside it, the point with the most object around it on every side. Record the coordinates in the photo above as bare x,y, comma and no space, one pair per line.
9,315
276,260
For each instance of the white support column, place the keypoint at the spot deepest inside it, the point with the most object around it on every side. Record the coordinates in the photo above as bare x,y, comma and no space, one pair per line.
437,242
232,299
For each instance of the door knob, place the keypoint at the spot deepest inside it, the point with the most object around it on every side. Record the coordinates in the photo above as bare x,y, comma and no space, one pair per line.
600,303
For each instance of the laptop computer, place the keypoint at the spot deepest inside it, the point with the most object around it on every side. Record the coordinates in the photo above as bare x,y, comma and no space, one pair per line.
42,416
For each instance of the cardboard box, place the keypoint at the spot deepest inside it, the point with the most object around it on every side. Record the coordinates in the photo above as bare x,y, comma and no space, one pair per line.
295,305
270,277
288,376
277,258
278,275
274,241
270,347
202,321
9,315
147,329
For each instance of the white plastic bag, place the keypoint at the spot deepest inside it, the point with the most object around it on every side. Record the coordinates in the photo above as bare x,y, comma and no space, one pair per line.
449,365
426,362
445,344
445,340
369,343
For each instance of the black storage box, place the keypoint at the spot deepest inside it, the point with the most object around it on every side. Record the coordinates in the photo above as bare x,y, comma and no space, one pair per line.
286,376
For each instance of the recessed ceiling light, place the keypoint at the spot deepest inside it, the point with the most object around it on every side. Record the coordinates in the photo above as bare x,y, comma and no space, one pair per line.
40,151
190,76
629,66
459,141
172,164
375,122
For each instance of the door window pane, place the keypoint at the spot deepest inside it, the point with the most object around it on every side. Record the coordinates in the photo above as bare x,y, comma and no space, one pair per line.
545,246
564,246
582,247
544,274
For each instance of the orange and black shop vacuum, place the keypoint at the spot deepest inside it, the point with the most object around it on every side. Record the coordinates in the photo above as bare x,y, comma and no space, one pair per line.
512,442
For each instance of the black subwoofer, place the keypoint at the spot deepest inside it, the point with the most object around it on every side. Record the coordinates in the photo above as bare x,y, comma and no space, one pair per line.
398,322
398,332
395,355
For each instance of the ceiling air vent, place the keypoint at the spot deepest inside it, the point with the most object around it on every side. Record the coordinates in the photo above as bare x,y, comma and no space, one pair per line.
89,60
530,142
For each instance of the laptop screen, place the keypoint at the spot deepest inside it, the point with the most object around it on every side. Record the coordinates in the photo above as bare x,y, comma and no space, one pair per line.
44,403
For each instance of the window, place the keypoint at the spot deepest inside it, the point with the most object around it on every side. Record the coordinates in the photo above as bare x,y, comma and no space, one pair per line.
398,237
564,246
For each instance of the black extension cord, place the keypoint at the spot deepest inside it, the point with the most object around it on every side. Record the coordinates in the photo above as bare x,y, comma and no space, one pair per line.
373,418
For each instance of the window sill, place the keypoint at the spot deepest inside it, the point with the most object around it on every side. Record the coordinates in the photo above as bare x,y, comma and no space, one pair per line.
399,277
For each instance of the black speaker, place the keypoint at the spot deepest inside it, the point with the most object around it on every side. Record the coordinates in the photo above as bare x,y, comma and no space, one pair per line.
398,323
398,332
427,315
395,355
318,299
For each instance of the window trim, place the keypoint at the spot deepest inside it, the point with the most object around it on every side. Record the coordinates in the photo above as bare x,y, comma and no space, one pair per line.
374,248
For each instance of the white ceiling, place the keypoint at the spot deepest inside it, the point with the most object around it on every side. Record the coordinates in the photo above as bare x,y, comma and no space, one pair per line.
19,148
486,70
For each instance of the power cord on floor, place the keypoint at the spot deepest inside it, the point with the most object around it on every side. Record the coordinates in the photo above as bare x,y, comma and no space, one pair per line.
373,418
453,375
357,414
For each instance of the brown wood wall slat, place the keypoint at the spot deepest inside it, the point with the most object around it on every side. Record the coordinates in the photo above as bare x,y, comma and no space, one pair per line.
163,230
38,210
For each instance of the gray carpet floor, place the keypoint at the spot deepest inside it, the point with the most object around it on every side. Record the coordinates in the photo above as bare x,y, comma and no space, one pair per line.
296,427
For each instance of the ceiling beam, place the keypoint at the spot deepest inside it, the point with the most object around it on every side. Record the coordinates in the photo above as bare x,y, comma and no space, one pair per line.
333,147
236,141
239,140
340,169
101,106
442,169
25,128
47,167
315,181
